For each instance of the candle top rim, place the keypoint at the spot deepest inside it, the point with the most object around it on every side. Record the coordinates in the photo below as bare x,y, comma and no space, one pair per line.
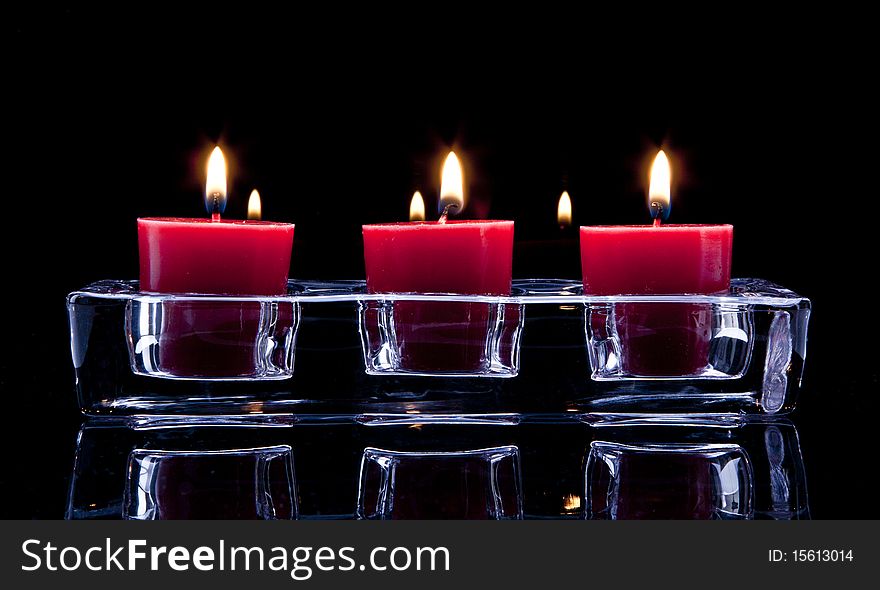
657,227
435,224
207,221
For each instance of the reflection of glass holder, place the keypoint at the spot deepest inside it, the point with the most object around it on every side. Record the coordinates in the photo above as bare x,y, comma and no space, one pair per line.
557,350
668,482
464,485
691,472
440,471
240,484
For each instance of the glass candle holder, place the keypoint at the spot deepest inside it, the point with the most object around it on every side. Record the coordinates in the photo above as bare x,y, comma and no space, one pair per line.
545,348
441,337
214,338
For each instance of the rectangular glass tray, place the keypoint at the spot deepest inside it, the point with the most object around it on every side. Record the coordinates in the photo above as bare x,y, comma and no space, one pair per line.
332,349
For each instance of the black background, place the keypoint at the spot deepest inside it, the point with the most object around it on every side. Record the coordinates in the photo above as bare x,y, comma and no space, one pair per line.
337,118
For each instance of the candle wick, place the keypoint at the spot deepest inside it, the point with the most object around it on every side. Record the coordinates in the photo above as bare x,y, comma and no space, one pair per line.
657,213
446,211
215,207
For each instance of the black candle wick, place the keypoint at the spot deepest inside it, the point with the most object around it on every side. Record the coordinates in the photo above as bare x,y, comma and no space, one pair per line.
658,211
449,208
216,206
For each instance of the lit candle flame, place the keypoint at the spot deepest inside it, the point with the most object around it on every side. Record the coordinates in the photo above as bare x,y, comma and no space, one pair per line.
255,207
215,187
659,189
452,185
417,207
563,211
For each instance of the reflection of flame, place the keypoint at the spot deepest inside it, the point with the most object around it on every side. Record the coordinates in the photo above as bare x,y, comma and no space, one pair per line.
661,179
417,207
215,186
563,211
255,207
571,502
452,185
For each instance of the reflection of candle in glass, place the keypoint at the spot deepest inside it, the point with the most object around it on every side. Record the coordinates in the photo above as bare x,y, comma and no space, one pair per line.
571,503
563,210
446,256
659,339
417,207
255,206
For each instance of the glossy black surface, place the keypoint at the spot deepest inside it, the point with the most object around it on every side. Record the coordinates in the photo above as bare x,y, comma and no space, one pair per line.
533,469
770,138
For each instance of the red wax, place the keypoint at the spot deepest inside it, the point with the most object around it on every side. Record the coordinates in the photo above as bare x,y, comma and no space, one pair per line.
213,338
462,257
466,257
219,257
664,339
647,259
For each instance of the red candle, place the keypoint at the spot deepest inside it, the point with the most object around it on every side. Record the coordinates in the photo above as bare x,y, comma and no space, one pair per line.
656,260
462,257
213,256
222,257
465,257
664,339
